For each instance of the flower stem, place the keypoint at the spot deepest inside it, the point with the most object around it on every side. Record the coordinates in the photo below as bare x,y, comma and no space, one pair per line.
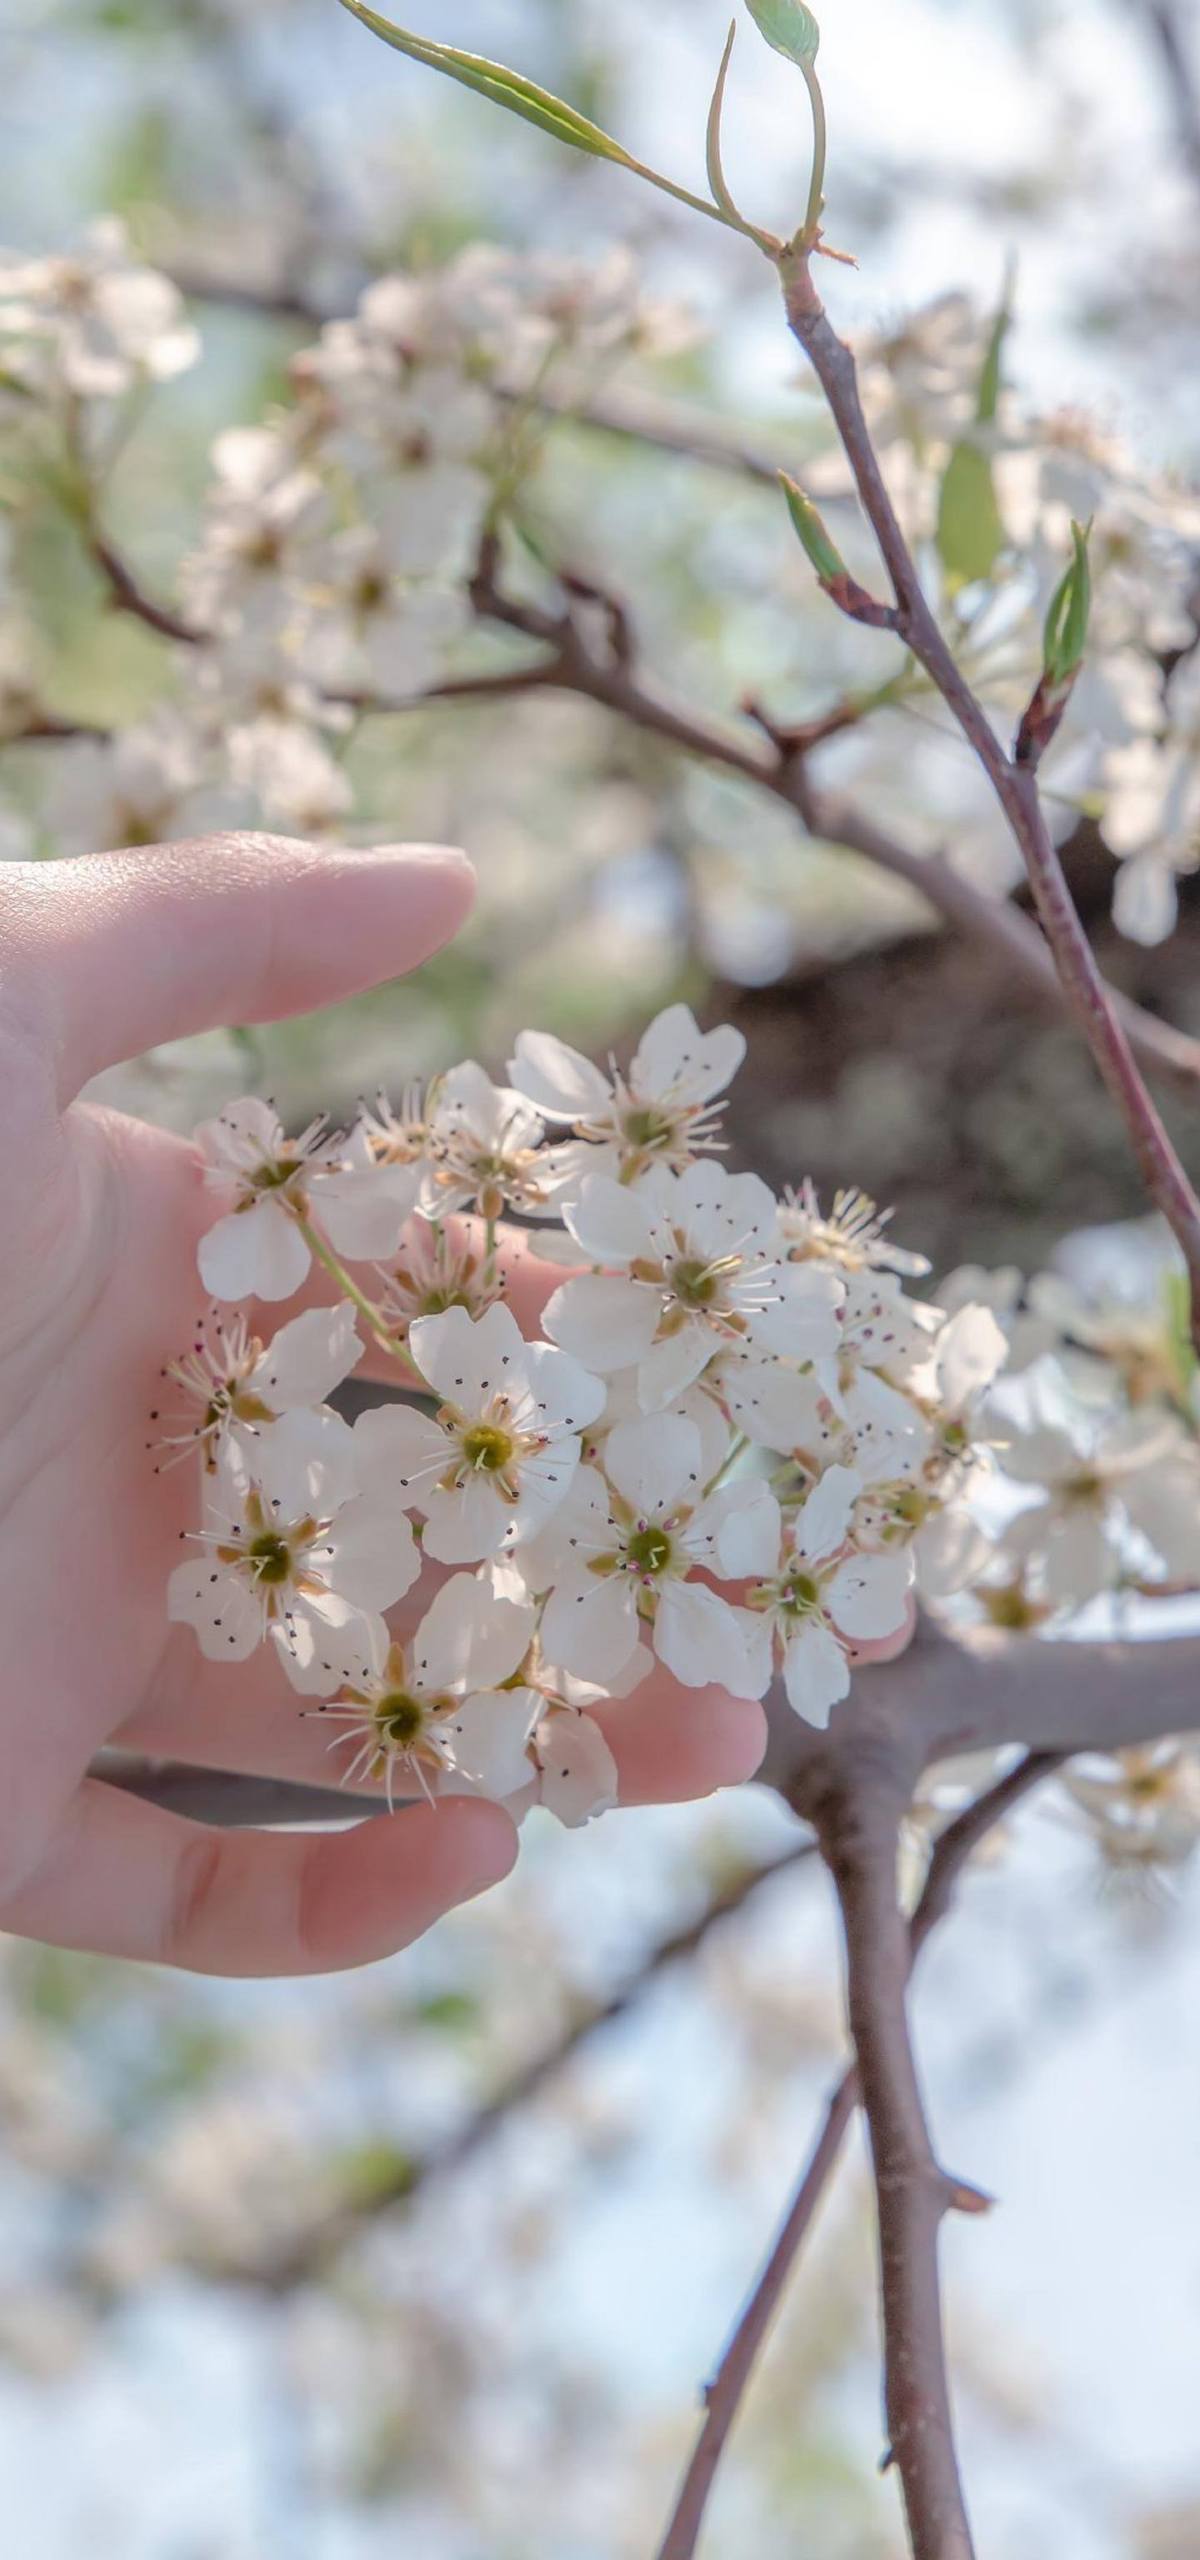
816,192
329,1261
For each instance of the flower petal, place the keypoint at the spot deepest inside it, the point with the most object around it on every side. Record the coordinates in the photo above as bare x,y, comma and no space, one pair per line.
578,1771
825,1518
466,1358
308,1358
373,1557
652,1462
254,1253
590,1625
702,1640
486,1739
604,1323
563,1084
470,1639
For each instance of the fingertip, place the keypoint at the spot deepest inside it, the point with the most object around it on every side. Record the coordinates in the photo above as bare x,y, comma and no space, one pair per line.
680,1744
478,1844
439,883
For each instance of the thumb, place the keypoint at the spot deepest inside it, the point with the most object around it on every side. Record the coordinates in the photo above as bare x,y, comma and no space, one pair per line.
112,953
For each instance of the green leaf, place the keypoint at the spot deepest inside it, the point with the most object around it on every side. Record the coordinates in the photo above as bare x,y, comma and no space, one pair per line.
505,88
788,26
970,529
716,174
540,107
811,532
1066,628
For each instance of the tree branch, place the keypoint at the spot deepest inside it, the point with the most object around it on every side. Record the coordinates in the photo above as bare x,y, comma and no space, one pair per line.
1016,789
723,2397
568,665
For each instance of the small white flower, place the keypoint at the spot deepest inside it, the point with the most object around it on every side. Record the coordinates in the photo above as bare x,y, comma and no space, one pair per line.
484,1143
686,1278
437,1270
257,1250
1143,1805
817,1594
239,1387
663,1112
297,1554
1097,1484
623,1555
852,1235
500,1453
95,323
439,1707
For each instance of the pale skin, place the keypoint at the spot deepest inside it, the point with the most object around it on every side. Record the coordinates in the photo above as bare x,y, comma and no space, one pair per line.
101,959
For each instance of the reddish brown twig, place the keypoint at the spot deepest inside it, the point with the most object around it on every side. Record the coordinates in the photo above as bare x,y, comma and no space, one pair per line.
726,2391
1014,784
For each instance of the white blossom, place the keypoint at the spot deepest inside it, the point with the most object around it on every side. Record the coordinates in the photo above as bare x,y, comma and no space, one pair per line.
296,1553
442,1705
237,1385
500,1452
685,1277
258,1249
815,1594
624,1554
664,1111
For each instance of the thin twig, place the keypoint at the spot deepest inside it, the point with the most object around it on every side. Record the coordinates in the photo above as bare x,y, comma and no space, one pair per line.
1166,1180
725,2393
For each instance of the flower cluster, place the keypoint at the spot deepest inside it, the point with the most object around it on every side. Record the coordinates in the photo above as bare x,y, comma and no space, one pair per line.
341,533
334,575
729,1441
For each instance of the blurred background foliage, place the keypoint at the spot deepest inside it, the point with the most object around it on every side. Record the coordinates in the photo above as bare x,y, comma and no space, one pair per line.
251,2299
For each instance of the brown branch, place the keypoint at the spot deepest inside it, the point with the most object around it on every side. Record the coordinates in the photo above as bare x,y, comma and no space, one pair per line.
994,922
724,2395
129,596
1015,786
611,681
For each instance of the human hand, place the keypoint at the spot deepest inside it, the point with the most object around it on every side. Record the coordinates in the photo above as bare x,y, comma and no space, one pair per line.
101,959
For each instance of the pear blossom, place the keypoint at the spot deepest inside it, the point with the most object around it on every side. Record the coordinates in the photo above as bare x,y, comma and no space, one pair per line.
483,1149
623,1556
92,324
257,1250
500,1452
1102,1487
296,1554
444,1705
852,1234
1142,1805
437,1269
663,1112
238,1386
369,625
814,1594
685,1276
